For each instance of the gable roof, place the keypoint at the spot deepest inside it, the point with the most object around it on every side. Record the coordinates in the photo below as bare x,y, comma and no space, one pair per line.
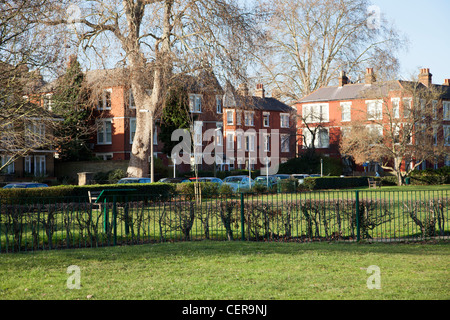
232,99
362,91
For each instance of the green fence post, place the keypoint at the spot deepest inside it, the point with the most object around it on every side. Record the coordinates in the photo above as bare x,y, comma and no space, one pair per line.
358,237
242,217
115,219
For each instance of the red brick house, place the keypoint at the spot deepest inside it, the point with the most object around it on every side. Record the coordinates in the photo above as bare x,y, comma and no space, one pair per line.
329,110
257,129
115,119
115,115
27,136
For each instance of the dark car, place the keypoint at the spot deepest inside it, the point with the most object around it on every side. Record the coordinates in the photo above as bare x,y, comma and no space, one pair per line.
22,185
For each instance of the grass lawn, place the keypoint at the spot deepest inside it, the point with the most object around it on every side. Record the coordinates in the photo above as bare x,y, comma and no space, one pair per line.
231,271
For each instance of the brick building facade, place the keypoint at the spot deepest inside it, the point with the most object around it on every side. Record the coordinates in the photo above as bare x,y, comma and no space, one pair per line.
328,111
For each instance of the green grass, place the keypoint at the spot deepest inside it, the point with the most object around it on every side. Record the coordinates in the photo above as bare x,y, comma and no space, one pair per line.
231,270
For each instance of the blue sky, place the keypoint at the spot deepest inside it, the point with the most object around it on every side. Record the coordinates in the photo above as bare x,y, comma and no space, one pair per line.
426,24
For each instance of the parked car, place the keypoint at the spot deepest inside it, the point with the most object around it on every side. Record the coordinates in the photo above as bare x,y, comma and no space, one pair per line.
207,179
315,175
300,177
134,180
18,185
262,180
282,176
173,180
239,183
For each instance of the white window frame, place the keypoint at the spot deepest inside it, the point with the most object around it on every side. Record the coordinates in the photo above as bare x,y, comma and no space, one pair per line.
316,113
446,110
346,111
132,129
230,140
198,133
35,133
266,142
239,141
195,103
40,165
395,108
407,107
238,117
266,119
219,104
285,145
131,102
104,101
28,164
47,102
249,118
250,141
446,135
435,109
9,169
284,120
374,109
230,113
102,129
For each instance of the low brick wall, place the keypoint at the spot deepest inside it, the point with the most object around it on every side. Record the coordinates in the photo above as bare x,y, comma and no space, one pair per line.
71,169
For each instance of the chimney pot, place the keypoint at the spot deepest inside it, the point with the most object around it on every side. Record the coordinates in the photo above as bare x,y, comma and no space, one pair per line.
447,82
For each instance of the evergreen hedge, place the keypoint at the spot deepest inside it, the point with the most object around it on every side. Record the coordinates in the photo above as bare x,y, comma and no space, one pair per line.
80,193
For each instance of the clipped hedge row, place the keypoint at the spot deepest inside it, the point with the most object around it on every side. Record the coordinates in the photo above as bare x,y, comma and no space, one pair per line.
335,183
81,192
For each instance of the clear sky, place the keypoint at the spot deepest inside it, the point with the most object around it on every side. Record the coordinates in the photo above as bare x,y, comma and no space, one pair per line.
426,24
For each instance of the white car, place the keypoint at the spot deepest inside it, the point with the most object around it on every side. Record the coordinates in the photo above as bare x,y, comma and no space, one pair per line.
300,177
239,183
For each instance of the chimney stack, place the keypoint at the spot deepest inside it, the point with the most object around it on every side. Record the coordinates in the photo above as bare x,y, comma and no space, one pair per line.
242,90
260,92
447,82
343,80
370,76
425,77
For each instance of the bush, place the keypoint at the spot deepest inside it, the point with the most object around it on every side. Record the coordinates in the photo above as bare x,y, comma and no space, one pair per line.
80,193
335,183
208,189
288,185
431,176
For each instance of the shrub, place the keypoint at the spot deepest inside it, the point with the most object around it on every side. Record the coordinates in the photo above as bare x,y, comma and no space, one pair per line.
80,193
335,183
288,185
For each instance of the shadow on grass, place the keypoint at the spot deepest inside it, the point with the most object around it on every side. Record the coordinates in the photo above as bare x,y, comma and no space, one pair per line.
237,248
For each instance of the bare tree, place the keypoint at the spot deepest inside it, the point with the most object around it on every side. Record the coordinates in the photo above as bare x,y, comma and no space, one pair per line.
399,128
309,42
160,39
26,49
